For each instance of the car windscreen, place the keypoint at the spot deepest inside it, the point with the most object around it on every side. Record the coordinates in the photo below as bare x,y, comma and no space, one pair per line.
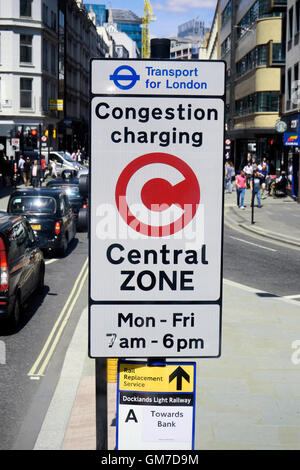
31,204
71,191
66,157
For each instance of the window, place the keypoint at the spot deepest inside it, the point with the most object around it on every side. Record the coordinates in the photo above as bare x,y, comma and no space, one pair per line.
53,20
45,13
297,14
296,72
258,103
256,57
226,14
45,95
260,9
45,54
25,8
26,92
26,48
290,29
53,58
289,84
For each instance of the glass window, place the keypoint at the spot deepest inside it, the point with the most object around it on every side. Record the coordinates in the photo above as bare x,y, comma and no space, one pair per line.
258,103
25,8
297,14
35,205
290,24
45,54
53,58
17,238
26,92
26,48
278,56
289,84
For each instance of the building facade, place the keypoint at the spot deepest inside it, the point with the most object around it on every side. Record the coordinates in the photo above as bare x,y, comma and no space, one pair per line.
195,27
28,71
291,94
78,42
210,49
46,46
251,44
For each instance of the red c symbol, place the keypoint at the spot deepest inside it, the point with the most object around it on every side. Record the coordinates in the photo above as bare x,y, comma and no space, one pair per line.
158,194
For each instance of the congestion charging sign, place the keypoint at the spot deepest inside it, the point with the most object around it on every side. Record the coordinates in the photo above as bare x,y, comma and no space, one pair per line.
156,209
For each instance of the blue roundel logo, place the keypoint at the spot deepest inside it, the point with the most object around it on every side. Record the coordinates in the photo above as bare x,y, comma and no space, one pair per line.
129,78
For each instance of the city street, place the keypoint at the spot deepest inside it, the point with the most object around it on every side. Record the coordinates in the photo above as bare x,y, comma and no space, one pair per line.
35,354
261,263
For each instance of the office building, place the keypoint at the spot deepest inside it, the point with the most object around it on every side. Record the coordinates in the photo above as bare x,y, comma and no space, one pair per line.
291,93
251,44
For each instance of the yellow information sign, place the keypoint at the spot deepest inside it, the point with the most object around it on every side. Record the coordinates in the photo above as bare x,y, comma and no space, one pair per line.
169,378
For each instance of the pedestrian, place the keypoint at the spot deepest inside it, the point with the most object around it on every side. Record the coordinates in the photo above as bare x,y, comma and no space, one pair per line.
78,157
27,171
256,188
248,169
228,174
21,168
73,156
35,174
240,181
53,168
43,168
13,171
263,173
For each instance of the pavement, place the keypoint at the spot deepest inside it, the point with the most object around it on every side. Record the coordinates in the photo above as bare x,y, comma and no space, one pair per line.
249,398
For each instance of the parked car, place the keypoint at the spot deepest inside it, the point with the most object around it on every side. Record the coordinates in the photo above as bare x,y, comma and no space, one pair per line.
76,200
49,214
63,161
22,266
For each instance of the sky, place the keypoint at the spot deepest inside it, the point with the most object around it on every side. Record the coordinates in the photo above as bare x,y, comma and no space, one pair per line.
169,13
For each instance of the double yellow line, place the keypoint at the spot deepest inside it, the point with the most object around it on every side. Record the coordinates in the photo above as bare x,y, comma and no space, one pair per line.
46,353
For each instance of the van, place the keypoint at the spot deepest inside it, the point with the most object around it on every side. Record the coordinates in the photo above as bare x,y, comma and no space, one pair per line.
63,161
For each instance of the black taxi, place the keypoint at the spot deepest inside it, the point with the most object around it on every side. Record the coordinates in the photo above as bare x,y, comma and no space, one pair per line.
49,214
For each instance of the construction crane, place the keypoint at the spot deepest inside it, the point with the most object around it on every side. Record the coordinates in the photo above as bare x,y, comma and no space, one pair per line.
148,16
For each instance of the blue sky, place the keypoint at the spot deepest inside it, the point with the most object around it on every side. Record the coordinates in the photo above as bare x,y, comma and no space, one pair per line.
169,13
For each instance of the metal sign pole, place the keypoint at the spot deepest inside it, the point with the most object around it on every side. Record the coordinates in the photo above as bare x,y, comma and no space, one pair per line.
101,404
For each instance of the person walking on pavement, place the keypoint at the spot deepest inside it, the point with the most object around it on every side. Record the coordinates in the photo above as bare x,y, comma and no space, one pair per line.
256,187
43,168
248,172
21,168
78,156
263,173
27,171
228,175
240,181
53,168
35,174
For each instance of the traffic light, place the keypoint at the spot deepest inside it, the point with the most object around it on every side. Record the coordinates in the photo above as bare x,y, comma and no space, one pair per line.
34,138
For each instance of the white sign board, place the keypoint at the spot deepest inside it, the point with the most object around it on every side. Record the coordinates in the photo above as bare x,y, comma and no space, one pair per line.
156,200
156,406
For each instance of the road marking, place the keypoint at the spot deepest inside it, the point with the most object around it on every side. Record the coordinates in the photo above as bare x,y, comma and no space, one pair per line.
252,290
37,369
257,236
296,296
254,244
49,261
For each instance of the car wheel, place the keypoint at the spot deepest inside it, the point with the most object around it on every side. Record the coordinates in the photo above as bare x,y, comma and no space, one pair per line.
41,280
63,249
